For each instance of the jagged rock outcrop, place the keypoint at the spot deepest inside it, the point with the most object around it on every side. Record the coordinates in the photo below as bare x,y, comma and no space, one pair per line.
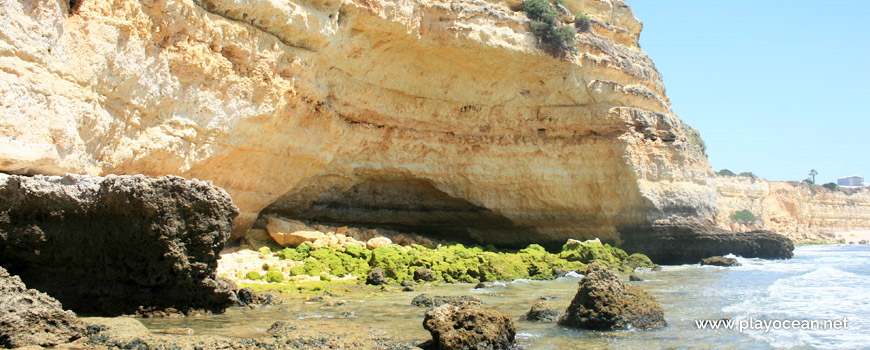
469,326
28,317
604,302
796,210
423,116
109,245
688,244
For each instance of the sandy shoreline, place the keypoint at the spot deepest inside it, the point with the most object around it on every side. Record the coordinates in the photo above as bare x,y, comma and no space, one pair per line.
854,236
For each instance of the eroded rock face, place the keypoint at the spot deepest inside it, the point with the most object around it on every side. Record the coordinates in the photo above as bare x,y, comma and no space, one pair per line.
469,326
604,302
796,210
422,116
28,317
688,243
109,245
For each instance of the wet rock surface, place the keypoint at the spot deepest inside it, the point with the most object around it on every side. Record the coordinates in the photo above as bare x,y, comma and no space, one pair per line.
424,274
688,244
432,301
128,333
604,302
376,277
469,326
720,261
543,312
28,317
108,245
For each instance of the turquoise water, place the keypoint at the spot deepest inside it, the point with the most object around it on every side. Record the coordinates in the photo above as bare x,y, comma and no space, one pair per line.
821,282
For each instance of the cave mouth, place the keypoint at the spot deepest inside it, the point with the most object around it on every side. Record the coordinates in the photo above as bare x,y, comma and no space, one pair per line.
404,205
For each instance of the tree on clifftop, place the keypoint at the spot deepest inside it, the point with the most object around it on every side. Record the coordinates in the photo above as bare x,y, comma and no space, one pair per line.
813,174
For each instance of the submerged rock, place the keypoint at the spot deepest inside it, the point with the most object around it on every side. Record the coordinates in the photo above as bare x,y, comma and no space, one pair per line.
469,326
543,312
720,261
689,243
28,317
634,278
604,302
431,301
108,245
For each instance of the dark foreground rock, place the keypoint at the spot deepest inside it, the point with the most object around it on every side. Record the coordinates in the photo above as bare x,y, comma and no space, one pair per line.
604,302
107,246
432,301
720,261
28,317
688,244
543,312
469,326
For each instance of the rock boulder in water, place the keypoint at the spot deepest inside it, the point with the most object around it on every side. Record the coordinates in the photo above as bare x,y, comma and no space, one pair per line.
543,312
469,326
28,317
432,301
604,302
720,261
676,244
108,245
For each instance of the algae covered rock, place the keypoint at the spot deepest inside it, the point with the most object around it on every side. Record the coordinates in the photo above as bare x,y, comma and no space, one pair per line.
469,326
431,301
604,302
28,317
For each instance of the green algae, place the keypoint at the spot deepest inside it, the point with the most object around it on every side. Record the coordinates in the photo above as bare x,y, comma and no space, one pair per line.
453,262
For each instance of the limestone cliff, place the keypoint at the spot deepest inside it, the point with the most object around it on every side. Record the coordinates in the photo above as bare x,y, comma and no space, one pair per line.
796,210
428,116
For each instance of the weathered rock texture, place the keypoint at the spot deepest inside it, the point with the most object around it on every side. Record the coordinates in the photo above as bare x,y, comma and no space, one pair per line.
604,302
688,244
109,245
796,210
28,317
424,116
469,326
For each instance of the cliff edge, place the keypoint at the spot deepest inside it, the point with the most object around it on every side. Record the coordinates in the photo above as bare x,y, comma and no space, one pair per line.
425,116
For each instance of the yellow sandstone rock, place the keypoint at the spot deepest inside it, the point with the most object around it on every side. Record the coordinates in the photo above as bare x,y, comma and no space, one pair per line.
424,116
291,232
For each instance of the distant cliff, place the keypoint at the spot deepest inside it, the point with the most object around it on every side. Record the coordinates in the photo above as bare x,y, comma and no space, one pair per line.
427,116
796,210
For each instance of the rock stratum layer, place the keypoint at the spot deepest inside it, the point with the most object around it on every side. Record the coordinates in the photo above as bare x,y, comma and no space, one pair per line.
110,245
796,210
422,116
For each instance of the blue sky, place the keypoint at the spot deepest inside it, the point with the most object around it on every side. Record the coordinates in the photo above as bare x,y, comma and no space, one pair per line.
775,87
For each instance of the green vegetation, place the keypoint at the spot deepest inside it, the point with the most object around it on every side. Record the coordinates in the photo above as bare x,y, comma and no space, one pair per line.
557,39
813,174
831,186
744,216
748,174
726,172
450,263
582,23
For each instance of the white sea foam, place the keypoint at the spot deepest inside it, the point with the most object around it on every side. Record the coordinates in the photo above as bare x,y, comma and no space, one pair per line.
825,293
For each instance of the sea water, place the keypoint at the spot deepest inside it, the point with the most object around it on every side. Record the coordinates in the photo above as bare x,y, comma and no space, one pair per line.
821,283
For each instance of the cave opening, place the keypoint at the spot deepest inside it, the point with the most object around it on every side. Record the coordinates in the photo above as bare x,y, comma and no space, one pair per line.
404,205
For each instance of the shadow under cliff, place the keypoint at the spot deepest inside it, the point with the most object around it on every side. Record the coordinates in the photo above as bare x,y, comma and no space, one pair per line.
405,205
